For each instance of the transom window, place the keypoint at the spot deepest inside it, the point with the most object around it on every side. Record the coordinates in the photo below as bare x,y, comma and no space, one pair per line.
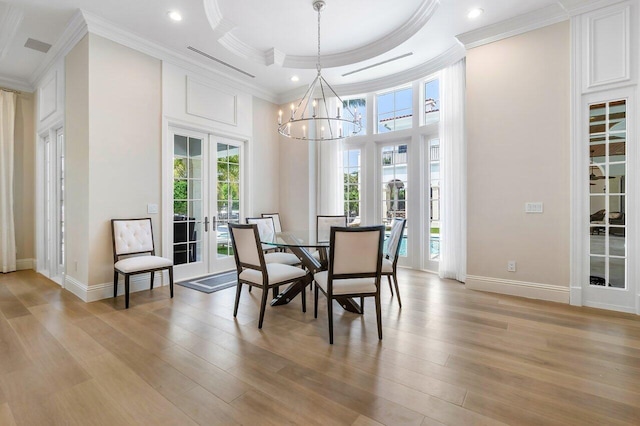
432,101
359,107
395,110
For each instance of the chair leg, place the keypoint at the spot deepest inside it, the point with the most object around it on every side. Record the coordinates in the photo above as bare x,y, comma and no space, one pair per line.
126,291
238,291
115,284
330,313
390,286
275,292
304,296
153,275
379,315
265,295
250,287
362,305
315,301
171,281
395,281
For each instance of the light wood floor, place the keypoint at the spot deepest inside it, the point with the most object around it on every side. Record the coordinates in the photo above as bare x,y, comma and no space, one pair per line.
450,356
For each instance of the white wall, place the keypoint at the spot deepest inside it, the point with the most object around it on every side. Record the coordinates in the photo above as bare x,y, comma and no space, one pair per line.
518,123
264,159
77,166
124,145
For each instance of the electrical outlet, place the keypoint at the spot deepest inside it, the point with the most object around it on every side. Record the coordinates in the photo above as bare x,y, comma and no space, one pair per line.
511,266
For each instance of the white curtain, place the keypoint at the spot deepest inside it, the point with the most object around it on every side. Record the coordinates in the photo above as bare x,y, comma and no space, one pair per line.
7,231
330,179
453,174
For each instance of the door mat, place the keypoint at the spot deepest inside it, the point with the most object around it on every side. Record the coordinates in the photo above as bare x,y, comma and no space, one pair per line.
212,283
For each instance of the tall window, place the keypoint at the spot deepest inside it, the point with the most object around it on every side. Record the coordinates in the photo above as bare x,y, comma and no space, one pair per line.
394,174
359,107
395,110
434,199
432,101
352,186
607,189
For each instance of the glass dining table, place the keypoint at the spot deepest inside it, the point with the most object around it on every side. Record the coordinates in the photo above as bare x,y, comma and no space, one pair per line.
303,243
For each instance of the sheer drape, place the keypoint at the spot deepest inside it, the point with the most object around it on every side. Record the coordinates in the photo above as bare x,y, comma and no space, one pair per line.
7,231
331,181
453,169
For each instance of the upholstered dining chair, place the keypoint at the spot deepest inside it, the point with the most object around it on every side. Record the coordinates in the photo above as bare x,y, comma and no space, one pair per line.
355,264
266,231
391,254
134,253
323,228
254,271
276,220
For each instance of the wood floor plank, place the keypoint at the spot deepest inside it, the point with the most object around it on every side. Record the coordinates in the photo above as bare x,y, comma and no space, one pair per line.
135,397
6,416
450,356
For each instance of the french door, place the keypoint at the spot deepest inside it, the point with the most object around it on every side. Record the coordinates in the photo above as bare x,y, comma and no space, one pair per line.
51,257
394,180
611,175
207,189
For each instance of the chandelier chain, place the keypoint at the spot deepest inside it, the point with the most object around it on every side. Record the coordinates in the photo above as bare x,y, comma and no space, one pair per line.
318,67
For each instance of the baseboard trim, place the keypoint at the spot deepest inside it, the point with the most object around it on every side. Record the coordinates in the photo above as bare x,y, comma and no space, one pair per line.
105,290
610,307
551,293
24,264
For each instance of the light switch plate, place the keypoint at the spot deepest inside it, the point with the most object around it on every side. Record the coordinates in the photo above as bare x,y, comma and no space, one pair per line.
152,208
533,207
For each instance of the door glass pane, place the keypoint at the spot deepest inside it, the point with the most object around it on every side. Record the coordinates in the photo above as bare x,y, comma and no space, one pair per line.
607,186
228,187
187,199
394,174
617,272
433,184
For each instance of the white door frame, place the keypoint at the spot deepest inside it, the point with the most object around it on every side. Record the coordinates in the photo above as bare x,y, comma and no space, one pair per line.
46,240
170,126
580,293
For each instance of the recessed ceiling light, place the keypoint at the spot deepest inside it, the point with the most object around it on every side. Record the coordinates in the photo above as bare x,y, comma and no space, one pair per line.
474,13
295,78
174,15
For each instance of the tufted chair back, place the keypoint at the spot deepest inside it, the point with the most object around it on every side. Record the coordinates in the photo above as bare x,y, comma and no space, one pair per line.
132,236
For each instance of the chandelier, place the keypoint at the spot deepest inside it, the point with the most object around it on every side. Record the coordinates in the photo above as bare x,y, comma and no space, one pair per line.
315,118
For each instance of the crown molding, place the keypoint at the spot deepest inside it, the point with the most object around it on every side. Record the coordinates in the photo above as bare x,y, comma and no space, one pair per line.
552,14
15,84
449,57
376,48
578,7
74,32
103,28
511,27
9,24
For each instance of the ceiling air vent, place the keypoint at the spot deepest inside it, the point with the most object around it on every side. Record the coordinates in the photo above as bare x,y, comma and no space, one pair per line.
206,55
38,45
378,64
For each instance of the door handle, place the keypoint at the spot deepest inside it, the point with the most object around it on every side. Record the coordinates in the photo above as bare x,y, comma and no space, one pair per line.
206,224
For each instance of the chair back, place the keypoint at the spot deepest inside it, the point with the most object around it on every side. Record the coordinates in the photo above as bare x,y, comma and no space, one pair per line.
266,227
324,224
356,252
246,246
132,236
276,220
395,238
